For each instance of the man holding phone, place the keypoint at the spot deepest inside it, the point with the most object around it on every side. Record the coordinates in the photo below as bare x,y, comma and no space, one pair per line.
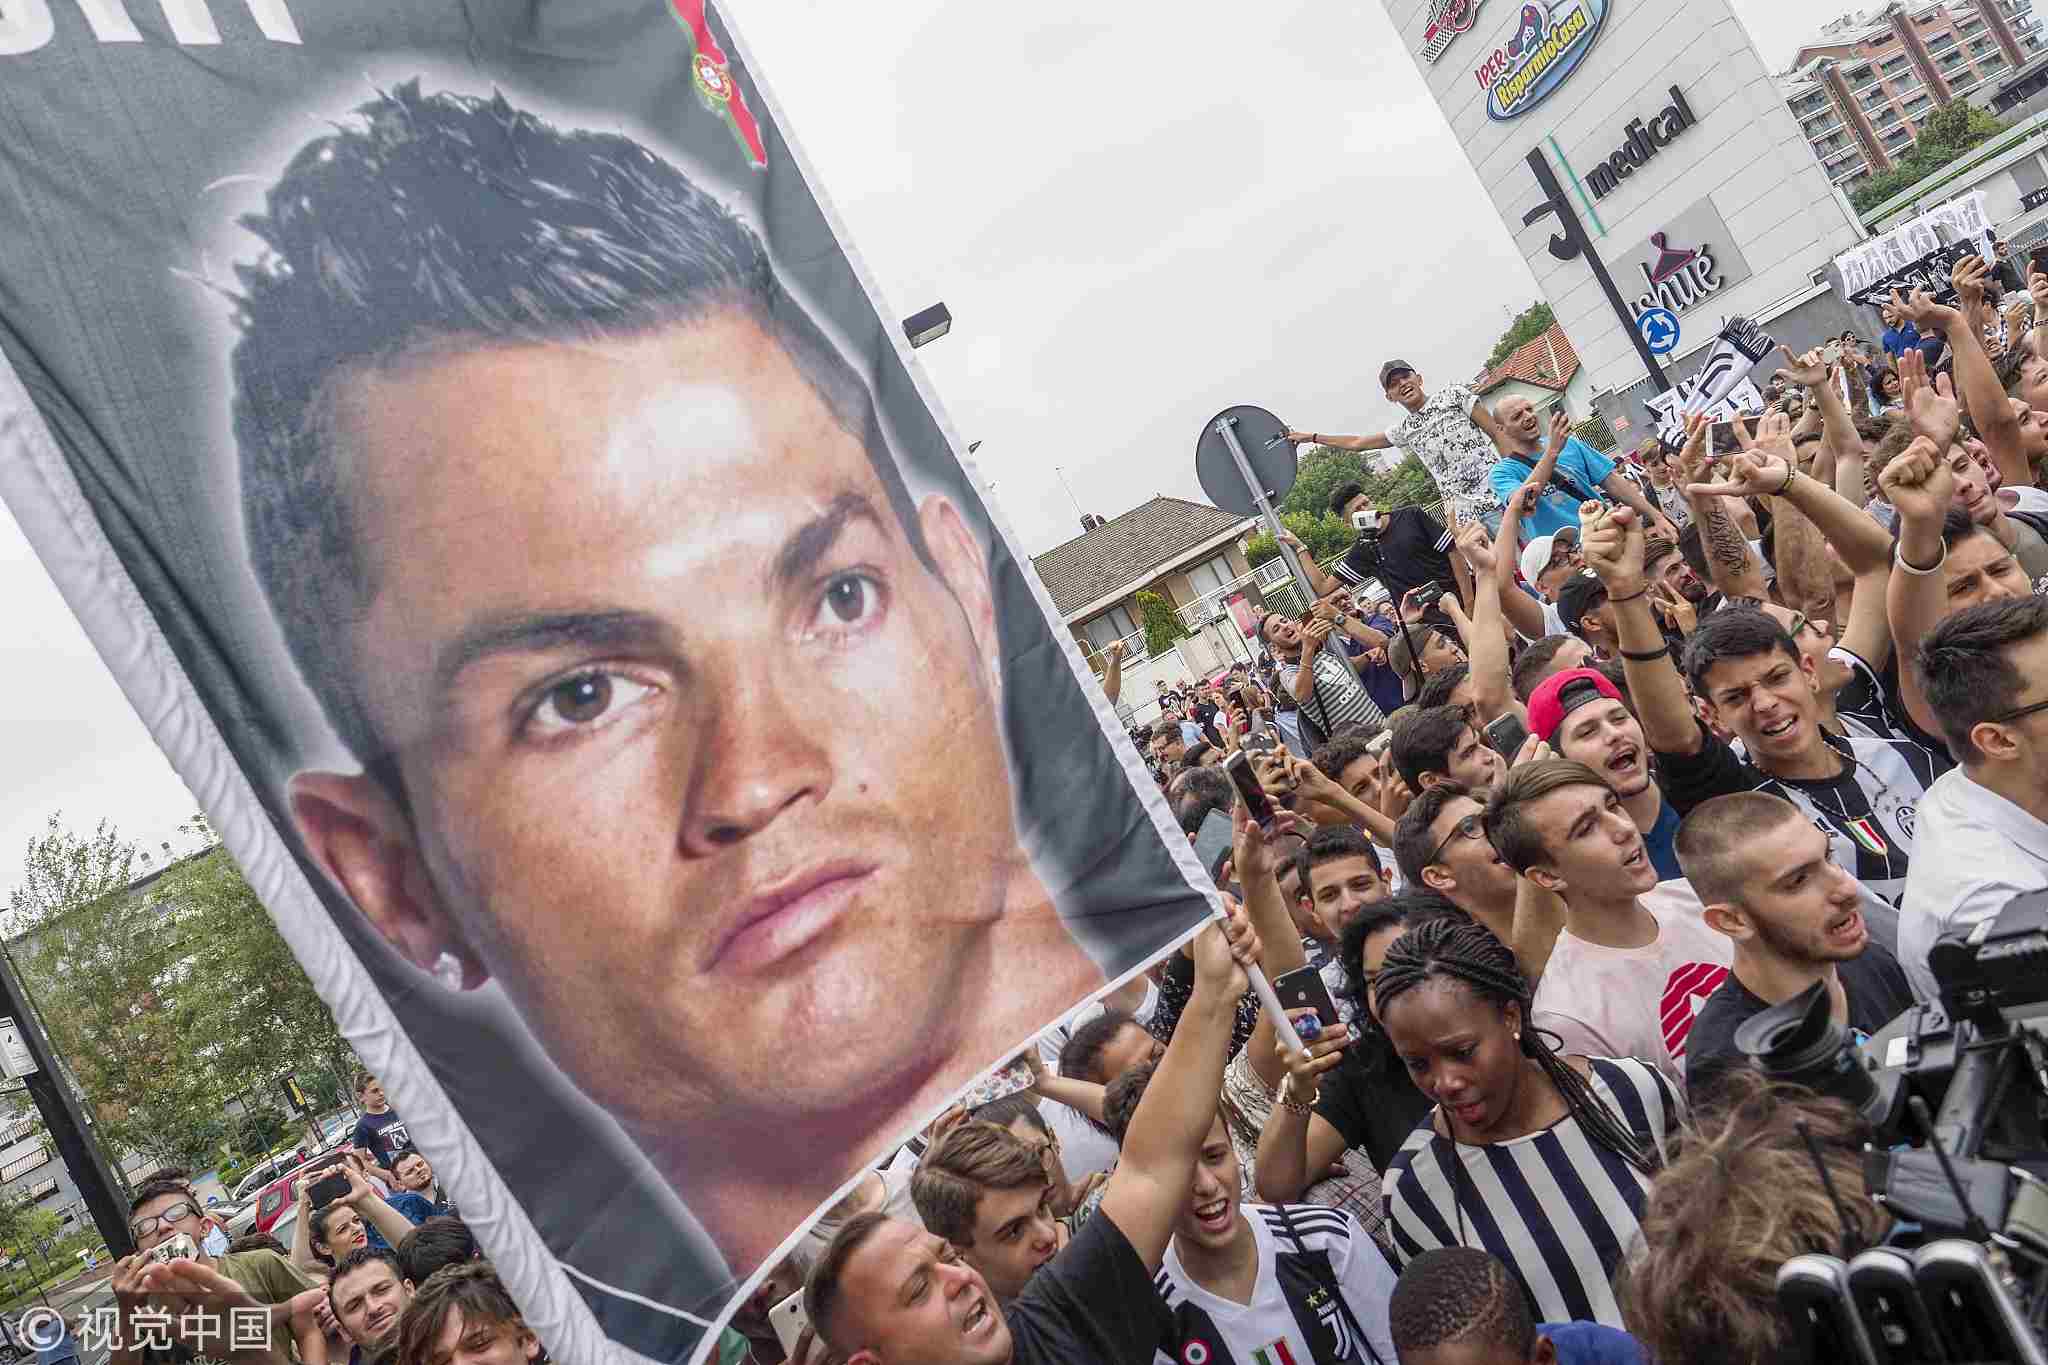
1400,550
1328,694
1563,472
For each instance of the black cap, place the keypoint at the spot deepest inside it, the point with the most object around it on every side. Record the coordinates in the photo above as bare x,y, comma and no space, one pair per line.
1392,368
1580,594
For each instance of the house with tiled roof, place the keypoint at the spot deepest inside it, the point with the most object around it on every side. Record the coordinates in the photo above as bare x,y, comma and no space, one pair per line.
1546,371
1189,553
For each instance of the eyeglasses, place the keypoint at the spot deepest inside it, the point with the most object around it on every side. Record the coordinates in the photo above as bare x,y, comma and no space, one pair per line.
2017,713
176,1213
1471,827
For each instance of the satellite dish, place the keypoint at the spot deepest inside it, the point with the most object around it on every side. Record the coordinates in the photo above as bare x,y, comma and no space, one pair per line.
1263,438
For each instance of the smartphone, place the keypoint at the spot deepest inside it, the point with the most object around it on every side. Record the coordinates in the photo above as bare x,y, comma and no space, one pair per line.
1304,989
1832,352
1239,768
788,1320
1506,733
1213,840
327,1189
178,1246
2037,261
1380,743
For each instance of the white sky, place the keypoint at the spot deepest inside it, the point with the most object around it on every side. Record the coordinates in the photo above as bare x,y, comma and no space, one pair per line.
1138,215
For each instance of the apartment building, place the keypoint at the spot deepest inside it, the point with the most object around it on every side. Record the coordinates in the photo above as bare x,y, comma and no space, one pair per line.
1862,86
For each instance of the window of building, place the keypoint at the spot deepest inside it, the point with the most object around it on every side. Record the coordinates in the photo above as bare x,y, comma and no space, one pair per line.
1114,624
1211,574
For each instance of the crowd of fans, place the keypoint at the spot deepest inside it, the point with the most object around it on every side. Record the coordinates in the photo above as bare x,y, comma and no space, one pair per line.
1571,783
386,1273
1618,753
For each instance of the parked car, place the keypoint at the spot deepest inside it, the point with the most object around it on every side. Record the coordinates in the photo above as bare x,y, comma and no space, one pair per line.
268,1170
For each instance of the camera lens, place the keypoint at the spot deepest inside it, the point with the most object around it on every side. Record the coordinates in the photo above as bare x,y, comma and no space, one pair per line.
1800,1042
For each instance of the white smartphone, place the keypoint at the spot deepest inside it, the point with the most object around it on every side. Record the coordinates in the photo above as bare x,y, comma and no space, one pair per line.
788,1320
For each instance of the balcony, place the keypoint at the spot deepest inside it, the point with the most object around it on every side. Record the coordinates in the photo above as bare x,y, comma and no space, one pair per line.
1846,149
1848,172
1268,576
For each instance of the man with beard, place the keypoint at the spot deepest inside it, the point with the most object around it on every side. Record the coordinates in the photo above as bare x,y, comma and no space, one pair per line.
368,1293
1328,693
1562,472
1254,1282
1762,871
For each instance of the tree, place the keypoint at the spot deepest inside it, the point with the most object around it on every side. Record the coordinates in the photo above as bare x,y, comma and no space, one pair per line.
1162,623
1945,135
1325,536
163,998
1322,471
1595,432
1530,323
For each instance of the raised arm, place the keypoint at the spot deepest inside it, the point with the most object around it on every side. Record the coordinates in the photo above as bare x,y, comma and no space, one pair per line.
1613,546
1486,650
1145,1195
1322,583
1522,611
1113,671
1084,1097
1256,865
1312,636
1378,440
1296,1141
1731,563
1919,484
1976,377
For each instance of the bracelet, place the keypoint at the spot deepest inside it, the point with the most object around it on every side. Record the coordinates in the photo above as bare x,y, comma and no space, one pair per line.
1644,656
1899,558
1791,473
1286,1100
1643,591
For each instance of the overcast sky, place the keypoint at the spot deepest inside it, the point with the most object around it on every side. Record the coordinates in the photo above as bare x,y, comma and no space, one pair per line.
1139,214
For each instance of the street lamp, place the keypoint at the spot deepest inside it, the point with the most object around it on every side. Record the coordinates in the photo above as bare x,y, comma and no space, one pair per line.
929,325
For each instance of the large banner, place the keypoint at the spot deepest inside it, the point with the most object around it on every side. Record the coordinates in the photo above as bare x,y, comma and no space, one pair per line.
467,436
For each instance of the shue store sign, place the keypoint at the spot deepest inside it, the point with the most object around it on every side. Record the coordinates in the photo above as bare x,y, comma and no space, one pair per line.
1685,262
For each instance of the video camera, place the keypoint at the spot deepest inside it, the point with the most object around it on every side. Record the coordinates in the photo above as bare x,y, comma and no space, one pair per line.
1955,1096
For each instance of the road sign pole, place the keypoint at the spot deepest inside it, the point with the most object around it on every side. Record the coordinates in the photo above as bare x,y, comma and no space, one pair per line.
1226,427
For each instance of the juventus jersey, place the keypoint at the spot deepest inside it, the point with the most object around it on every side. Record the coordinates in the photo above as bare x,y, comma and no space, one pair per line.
1866,811
1321,1297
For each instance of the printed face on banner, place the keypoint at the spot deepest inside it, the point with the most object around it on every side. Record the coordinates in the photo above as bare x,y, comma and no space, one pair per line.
678,714
687,770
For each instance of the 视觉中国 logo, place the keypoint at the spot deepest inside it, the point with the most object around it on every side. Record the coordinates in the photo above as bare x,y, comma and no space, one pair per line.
1547,43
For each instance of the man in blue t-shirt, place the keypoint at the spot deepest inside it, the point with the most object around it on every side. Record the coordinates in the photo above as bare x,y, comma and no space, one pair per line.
1566,469
379,1132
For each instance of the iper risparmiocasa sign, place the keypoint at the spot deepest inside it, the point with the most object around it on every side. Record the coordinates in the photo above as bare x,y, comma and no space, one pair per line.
1548,42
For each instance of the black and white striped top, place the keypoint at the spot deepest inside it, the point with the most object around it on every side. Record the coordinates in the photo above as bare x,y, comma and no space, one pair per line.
1339,698
1558,1208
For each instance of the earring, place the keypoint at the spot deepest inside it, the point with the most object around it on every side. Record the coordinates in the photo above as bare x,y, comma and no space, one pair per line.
448,971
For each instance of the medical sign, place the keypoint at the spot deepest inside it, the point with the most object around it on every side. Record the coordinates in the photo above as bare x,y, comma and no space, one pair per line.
1447,19
1659,327
1547,43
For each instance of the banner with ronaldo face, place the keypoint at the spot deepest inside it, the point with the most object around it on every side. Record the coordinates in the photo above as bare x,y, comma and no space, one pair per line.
469,439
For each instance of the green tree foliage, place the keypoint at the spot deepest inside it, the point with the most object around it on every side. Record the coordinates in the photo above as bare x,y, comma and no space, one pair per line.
1321,471
1162,623
1305,509
163,999
1530,323
1945,134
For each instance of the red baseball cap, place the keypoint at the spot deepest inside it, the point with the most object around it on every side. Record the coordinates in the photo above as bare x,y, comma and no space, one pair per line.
1563,693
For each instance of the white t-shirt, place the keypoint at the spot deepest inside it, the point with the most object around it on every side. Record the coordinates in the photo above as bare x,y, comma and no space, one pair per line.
1636,1002
1084,1148
1990,851
1292,1315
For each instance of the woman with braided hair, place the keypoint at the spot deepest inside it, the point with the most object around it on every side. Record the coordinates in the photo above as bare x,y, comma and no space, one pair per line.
1539,1158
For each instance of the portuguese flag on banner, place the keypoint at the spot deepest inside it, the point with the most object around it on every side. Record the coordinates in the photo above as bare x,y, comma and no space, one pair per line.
715,86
